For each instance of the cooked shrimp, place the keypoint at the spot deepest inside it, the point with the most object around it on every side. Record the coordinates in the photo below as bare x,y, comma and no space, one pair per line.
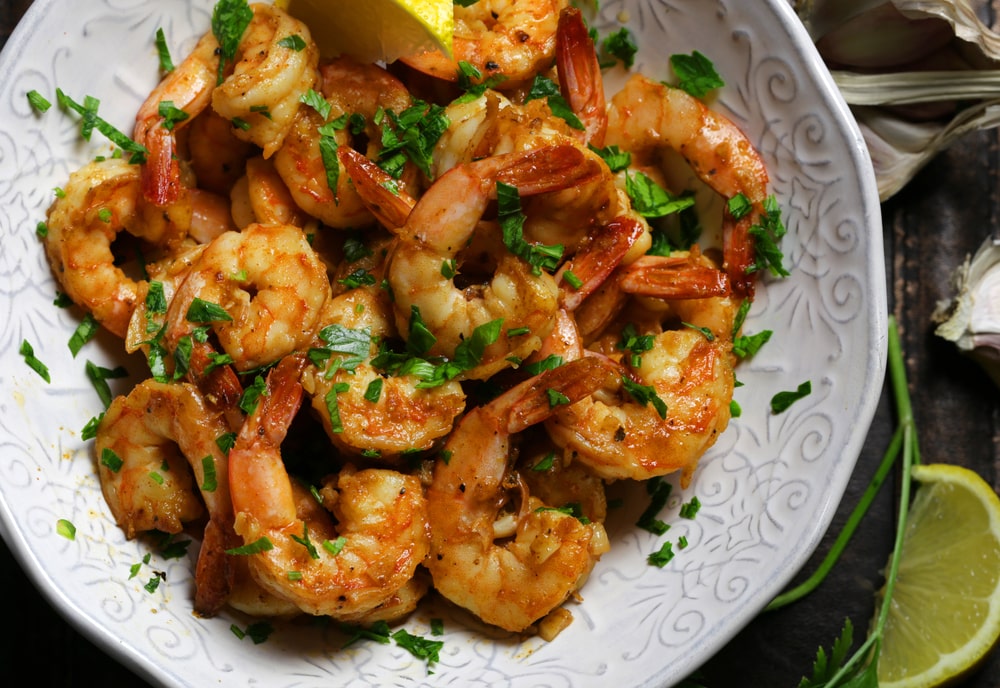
377,415
515,39
157,452
270,286
493,125
211,215
350,88
270,199
514,584
101,200
442,223
268,79
381,516
646,115
158,432
579,70
215,155
188,88
559,482
617,436
376,189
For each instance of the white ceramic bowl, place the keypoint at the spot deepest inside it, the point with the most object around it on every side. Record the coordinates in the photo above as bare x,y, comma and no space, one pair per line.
768,488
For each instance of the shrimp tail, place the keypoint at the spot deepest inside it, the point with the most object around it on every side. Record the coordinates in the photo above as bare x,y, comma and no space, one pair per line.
375,188
674,278
550,168
215,572
597,259
567,384
161,173
738,255
580,75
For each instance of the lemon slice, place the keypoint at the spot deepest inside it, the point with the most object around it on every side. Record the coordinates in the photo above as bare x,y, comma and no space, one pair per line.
945,611
376,30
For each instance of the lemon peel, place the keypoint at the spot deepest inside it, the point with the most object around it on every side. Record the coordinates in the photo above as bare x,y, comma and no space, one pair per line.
377,30
944,614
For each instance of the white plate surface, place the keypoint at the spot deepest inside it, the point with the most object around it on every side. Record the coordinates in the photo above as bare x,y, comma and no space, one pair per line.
768,488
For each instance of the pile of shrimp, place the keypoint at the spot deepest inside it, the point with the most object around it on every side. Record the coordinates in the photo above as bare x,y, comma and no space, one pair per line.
290,316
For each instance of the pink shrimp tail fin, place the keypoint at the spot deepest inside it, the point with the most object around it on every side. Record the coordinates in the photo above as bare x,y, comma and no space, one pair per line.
598,258
161,173
674,278
550,168
580,79
537,398
738,255
374,186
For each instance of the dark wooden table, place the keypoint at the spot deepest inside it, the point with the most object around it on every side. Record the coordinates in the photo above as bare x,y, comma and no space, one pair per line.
929,228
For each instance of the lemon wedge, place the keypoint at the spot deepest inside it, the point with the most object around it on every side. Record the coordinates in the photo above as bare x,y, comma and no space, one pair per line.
945,612
376,30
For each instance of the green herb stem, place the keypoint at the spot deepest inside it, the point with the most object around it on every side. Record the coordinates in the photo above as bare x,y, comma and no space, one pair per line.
862,667
853,521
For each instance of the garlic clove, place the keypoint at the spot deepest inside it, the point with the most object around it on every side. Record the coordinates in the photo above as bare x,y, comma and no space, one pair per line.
971,320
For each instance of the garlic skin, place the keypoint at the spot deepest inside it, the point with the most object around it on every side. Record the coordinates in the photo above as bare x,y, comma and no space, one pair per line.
971,320
917,75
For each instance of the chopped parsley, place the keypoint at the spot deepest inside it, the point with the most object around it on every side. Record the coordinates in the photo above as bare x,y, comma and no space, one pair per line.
99,377
635,344
172,115
230,20
332,408
651,200
305,541
696,74
690,509
111,460
421,648
748,345
201,311
29,358
84,332
410,135
210,481
645,394
616,159
89,430
257,546
252,394
470,80
621,45
659,493
38,101
334,547
512,220
556,398
545,463
661,557
294,42
90,121
350,346
767,234
66,529
257,632
374,390
548,90
163,52
782,400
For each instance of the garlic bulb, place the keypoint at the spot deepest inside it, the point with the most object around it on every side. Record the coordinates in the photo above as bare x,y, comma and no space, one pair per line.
972,318
917,74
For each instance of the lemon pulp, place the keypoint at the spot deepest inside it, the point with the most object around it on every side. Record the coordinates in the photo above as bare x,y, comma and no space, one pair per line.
945,611
376,30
